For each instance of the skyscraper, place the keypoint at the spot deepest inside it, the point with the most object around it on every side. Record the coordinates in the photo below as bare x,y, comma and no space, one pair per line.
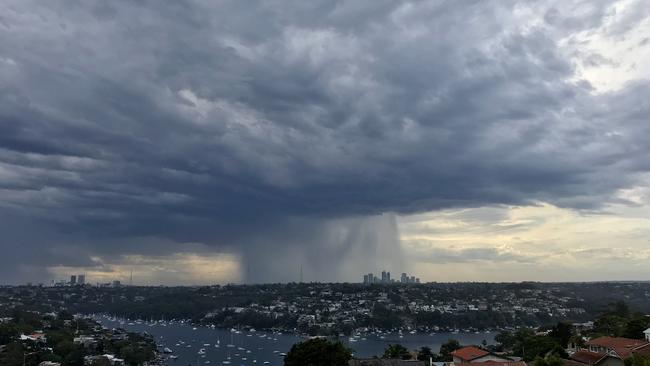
404,278
73,280
383,276
81,279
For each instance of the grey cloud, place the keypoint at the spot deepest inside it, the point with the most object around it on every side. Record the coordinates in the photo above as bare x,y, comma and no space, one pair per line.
439,255
223,123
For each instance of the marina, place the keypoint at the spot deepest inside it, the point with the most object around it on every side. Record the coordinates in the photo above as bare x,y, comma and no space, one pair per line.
181,343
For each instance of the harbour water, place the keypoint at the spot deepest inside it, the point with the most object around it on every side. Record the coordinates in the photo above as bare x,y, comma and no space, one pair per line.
196,346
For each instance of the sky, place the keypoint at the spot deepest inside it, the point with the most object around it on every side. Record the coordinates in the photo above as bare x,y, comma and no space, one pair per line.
201,142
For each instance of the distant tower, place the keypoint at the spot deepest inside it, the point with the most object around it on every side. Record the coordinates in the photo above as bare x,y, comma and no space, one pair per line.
81,279
131,279
73,280
301,273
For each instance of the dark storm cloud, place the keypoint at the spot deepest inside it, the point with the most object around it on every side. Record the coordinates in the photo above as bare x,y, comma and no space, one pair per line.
223,122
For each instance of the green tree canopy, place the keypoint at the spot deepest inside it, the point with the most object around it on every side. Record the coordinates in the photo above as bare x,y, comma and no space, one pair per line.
548,361
396,351
447,348
562,333
424,354
318,352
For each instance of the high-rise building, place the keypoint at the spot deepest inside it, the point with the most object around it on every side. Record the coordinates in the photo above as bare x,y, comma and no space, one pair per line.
404,278
81,279
73,280
371,278
383,276
388,277
365,279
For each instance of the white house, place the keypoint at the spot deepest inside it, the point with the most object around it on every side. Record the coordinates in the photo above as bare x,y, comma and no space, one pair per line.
647,334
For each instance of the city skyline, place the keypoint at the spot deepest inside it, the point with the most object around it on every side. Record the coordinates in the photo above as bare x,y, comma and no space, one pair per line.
250,142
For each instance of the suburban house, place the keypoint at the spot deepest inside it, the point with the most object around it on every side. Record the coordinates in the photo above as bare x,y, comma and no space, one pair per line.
38,337
585,357
85,340
473,354
617,346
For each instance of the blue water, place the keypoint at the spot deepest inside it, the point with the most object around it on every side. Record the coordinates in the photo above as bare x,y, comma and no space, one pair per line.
254,348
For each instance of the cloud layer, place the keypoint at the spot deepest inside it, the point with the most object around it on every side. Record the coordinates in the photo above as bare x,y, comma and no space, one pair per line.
282,129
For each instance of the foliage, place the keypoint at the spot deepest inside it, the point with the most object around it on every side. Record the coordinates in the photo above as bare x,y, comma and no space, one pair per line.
637,360
635,326
8,332
551,360
424,354
383,317
396,351
526,344
318,352
447,348
562,333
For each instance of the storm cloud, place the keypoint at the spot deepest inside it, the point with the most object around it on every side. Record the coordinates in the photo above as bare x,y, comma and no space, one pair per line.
293,132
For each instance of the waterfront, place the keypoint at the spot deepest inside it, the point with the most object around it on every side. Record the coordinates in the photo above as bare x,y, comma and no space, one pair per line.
257,348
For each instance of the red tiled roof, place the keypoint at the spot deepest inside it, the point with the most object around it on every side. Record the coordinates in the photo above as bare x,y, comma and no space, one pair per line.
572,363
469,353
587,357
642,351
622,346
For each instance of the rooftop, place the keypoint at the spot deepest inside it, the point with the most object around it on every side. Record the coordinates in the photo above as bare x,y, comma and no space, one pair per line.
469,353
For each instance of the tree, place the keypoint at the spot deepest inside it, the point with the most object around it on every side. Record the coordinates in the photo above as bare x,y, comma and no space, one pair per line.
548,361
635,327
424,354
318,352
637,360
447,348
8,333
396,351
620,308
75,357
506,339
562,333
610,325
